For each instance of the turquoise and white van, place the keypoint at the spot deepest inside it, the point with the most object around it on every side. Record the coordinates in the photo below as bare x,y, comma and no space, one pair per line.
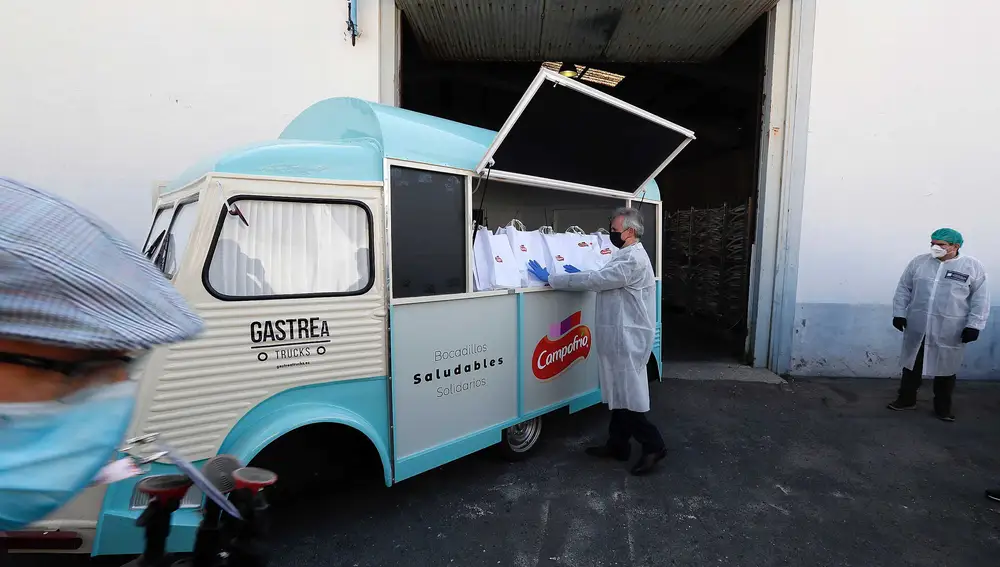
333,270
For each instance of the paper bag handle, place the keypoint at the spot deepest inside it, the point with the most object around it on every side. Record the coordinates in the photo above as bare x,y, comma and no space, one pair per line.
602,231
574,230
546,229
518,225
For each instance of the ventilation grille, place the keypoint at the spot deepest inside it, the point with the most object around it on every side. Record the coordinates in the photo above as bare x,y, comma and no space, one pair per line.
191,500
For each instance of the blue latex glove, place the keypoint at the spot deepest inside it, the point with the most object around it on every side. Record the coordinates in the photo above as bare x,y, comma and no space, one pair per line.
571,269
538,271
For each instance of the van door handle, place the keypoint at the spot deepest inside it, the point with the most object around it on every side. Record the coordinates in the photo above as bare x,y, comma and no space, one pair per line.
380,312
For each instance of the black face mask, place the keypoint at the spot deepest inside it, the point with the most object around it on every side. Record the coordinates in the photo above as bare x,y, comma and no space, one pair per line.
616,239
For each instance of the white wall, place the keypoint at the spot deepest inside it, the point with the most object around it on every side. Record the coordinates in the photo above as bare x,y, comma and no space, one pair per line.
903,125
101,99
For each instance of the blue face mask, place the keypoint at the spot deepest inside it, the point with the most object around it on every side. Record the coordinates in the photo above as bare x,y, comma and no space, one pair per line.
51,451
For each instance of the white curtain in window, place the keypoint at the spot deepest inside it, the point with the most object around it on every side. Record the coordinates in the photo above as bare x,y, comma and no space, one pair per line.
291,248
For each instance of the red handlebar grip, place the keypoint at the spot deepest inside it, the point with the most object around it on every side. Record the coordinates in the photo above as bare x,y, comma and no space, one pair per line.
253,478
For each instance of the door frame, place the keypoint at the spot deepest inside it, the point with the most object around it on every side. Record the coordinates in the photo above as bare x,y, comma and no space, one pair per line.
781,184
781,178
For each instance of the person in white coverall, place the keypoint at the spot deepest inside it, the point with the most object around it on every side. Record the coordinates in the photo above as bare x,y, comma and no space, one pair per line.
941,304
625,328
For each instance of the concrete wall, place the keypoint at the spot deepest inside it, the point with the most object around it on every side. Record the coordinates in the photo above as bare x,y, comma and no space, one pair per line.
902,140
102,99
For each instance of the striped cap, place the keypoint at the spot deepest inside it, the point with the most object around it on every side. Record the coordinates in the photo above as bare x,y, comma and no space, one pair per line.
68,279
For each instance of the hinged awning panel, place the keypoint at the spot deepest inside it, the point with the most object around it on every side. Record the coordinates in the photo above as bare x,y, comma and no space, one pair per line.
565,131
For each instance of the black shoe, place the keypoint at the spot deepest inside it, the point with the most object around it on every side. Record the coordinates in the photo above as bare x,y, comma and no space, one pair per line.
993,495
944,387
605,452
902,405
647,462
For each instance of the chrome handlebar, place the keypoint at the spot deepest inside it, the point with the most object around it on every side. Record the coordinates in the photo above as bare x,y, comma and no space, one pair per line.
134,442
149,439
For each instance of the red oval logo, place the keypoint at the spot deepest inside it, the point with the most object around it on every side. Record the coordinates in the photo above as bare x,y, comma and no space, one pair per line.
553,356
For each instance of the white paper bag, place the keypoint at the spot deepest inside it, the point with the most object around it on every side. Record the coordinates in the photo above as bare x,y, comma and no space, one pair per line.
603,247
585,248
569,248
482,261
525,246
505,274
493,263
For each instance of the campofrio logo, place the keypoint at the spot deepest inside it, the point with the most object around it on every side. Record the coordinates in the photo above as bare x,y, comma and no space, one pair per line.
566,343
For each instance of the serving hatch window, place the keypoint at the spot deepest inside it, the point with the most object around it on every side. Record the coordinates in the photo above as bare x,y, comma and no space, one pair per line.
428,233
278,248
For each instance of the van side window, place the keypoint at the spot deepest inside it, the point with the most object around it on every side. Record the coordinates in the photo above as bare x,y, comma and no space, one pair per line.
428,233
271,248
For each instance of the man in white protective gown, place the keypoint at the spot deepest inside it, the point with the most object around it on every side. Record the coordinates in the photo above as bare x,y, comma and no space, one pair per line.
624,334
941,304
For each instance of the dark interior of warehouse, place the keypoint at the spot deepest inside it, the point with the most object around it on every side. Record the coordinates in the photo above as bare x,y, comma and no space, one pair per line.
708,192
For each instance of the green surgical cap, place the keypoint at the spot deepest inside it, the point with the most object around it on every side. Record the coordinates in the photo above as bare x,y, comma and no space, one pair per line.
949,235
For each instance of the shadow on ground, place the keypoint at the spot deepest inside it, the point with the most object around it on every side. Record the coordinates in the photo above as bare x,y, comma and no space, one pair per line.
809,473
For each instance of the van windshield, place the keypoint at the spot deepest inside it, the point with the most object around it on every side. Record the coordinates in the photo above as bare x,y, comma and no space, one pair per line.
161,221
169,235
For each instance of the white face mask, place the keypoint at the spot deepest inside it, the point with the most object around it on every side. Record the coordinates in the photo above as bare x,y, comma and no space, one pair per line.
938,252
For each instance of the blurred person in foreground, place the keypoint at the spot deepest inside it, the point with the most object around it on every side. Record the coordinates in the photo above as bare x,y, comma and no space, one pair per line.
624,335
77,306
941,304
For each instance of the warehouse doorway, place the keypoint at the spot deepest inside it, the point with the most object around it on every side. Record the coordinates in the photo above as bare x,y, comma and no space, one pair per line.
709,192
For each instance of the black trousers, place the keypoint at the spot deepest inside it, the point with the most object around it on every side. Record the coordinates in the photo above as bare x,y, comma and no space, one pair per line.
944,386
626,424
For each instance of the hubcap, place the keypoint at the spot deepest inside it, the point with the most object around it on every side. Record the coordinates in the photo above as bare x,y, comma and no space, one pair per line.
523,436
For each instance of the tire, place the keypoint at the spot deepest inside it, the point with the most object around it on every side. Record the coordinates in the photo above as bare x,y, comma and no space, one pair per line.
518,440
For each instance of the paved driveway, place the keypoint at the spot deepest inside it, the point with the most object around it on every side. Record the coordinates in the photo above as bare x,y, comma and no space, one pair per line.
812,473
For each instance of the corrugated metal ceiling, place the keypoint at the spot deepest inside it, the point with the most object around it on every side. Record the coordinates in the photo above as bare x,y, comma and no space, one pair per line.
639,31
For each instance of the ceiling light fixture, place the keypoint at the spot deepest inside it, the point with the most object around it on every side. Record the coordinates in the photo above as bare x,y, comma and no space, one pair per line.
568,70
586,74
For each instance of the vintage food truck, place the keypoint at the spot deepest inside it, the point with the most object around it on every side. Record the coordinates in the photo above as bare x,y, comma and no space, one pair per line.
333,270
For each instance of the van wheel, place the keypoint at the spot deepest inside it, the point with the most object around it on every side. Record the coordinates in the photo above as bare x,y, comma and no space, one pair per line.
518,440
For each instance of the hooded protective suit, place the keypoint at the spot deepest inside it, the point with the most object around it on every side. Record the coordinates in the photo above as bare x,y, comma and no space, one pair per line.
939,299
625,323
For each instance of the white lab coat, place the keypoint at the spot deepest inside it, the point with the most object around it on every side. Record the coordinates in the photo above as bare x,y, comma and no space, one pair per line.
625,323
939,299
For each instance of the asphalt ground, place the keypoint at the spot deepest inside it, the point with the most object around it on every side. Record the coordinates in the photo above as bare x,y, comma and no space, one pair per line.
811,473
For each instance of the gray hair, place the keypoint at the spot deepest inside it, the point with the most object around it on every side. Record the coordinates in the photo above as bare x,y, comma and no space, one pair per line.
633,219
